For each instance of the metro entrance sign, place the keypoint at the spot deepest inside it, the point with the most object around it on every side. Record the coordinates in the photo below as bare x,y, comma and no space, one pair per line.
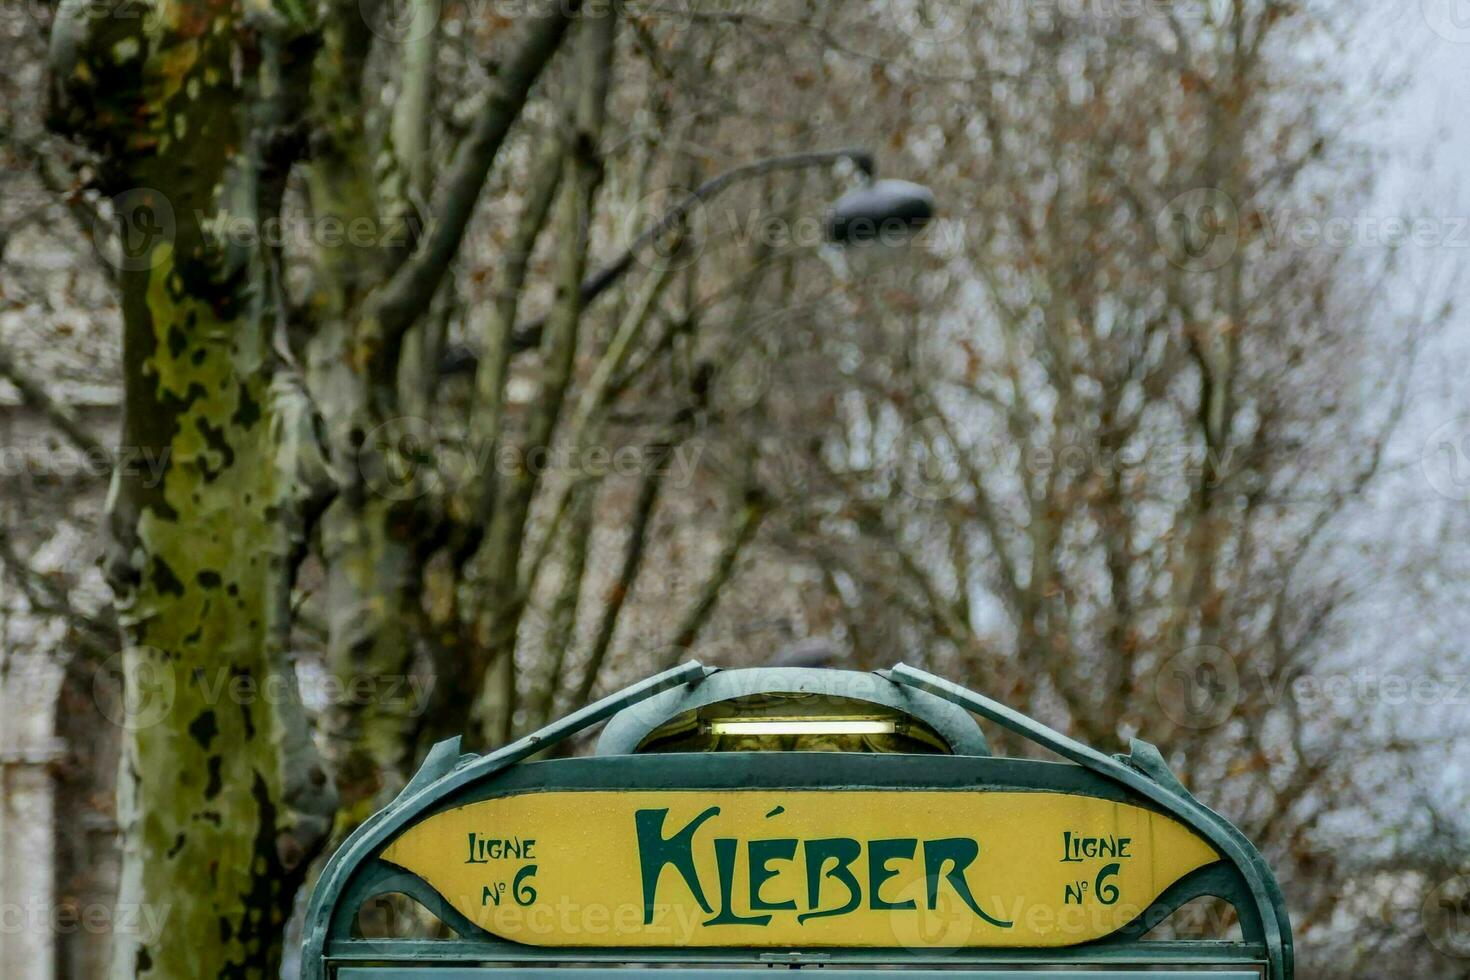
801,867
796,817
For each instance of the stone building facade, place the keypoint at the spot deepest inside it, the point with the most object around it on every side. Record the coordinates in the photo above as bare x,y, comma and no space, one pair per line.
57,744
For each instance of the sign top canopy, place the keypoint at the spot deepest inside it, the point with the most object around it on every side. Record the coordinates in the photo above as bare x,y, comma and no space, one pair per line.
797,816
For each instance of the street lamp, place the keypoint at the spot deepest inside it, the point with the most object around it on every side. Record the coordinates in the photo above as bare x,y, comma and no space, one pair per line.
880,210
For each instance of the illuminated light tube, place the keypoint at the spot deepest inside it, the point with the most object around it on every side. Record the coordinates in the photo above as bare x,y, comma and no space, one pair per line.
778,726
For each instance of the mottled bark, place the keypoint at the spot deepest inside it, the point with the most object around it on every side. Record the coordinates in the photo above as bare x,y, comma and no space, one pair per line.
221,800
372,585
371,574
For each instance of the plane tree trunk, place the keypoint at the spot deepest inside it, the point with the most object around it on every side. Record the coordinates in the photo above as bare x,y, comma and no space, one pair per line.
197,112
222,802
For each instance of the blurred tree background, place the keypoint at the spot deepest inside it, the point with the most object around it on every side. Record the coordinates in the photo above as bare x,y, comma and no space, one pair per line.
1106,441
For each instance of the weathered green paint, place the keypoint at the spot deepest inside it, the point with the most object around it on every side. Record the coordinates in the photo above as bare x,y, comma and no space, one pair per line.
448,781
1144,772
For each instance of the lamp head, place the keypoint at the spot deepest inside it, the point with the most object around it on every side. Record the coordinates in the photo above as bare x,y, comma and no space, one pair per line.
882,211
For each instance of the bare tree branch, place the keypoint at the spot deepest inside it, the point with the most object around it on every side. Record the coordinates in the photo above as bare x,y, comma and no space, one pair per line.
57,413
407,294
744,524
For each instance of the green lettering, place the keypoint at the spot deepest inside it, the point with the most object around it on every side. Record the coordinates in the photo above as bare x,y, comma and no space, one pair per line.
762,853
655,850
725,850
843,850
880,852
960,853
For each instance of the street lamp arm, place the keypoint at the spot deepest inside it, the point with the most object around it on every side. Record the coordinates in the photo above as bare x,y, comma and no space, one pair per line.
526,337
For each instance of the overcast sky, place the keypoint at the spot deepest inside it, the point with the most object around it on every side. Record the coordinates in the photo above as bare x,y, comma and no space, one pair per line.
1427,140
1428,130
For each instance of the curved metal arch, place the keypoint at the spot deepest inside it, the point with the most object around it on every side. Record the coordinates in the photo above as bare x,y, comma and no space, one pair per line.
444,771
629,727
378,879
1244,880
1144,772
1219,880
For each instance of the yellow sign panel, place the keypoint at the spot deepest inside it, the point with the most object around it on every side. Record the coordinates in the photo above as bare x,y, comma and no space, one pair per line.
885,868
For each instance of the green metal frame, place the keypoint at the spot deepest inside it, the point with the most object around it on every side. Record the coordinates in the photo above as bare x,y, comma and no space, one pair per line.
563,973
448,779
